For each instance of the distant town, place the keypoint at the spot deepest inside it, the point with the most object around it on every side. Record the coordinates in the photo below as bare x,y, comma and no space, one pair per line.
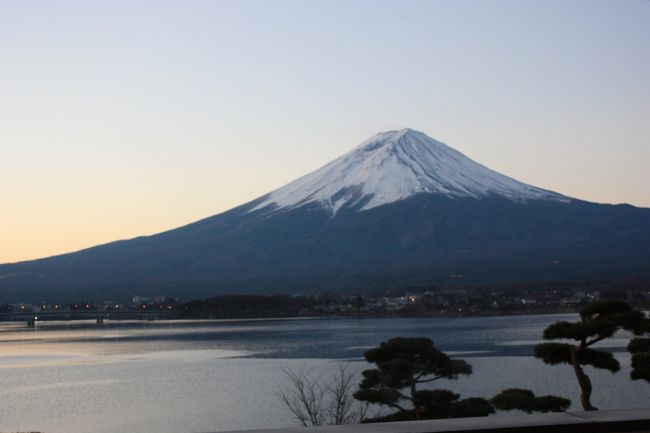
430,302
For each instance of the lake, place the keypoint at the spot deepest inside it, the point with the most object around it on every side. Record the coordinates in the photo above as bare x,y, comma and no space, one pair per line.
202,376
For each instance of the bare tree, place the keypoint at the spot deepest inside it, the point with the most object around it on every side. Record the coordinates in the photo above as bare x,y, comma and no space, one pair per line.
313,403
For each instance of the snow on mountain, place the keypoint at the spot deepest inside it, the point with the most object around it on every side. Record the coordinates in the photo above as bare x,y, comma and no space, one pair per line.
395,165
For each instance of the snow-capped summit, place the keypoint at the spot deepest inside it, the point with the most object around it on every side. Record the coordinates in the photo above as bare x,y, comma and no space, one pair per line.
395,165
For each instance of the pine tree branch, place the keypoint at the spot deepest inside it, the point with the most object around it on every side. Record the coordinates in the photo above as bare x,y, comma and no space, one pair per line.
430,380
595,340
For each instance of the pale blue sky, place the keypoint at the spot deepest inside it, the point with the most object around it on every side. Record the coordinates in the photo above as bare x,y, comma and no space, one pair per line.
122,118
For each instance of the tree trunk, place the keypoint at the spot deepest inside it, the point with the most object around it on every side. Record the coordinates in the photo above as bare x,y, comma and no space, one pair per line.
414,399
583,379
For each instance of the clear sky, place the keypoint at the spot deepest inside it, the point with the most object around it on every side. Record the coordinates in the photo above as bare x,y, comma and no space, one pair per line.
125,118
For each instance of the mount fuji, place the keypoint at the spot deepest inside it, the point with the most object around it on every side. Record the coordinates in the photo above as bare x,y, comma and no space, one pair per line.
400,209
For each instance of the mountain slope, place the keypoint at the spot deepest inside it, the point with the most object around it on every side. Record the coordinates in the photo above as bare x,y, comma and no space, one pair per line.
400,209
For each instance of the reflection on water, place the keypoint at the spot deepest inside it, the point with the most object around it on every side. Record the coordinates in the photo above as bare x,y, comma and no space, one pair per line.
212,375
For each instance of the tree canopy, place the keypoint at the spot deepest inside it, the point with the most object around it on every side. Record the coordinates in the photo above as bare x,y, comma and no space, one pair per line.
525,400
640,350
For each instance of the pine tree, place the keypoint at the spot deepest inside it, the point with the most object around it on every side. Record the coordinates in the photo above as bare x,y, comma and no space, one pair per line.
598,321
404,364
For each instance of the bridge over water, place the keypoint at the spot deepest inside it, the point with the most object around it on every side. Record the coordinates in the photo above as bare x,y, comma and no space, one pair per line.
32,318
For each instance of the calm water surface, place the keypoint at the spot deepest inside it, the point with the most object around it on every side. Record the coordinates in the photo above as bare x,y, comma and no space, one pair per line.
200,376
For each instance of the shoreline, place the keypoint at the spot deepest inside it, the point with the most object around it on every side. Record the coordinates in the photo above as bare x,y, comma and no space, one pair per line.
234,318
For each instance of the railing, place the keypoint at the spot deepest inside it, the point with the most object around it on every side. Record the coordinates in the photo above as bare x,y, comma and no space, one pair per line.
604,421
